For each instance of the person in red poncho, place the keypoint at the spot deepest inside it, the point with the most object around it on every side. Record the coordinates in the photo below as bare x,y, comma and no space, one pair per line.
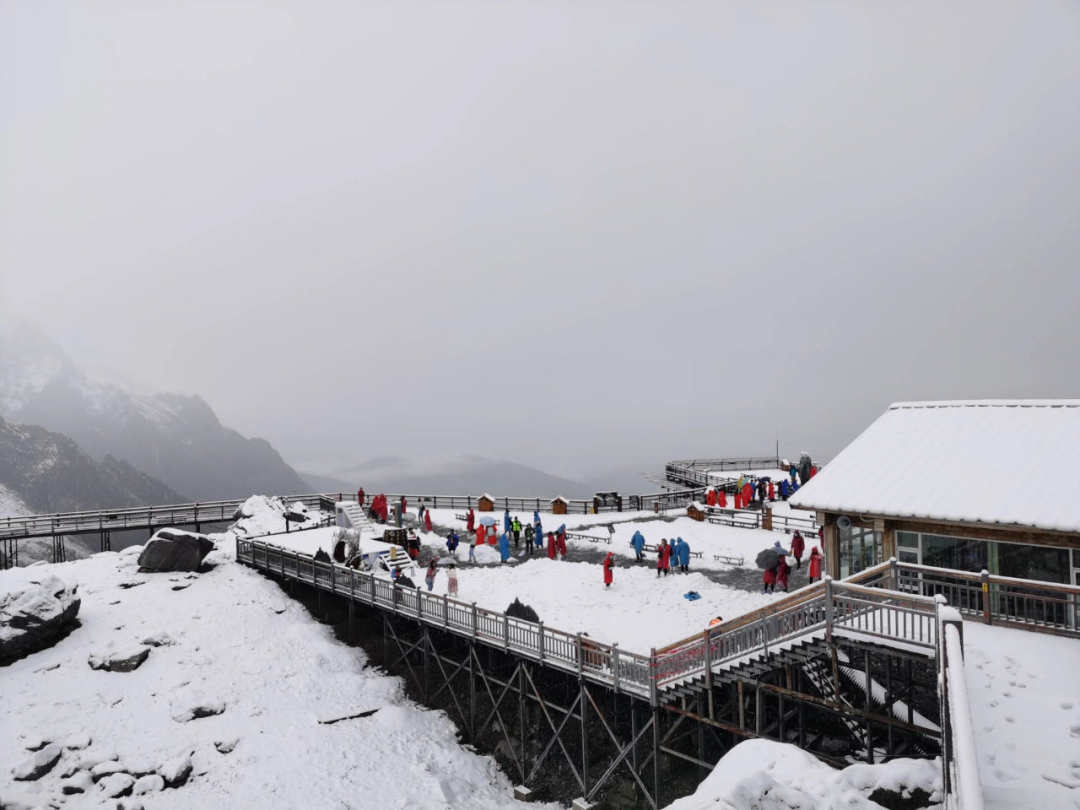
772,491
470,520
710,498
427,520
551,545
797,548
815,564
560,544
722,499
609,563
769,578
360,496
663,558
782,572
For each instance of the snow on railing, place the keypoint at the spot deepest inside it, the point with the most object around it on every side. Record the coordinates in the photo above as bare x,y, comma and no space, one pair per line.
960,768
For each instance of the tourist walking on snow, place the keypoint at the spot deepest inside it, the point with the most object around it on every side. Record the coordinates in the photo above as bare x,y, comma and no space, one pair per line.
504,547
798,545
684,555
427,520
815,564
429,577
474,540
551,545
663,558
769,580
470,520
560,544
782,572
506,520
638,542
451,580
609,563
515,527
529,533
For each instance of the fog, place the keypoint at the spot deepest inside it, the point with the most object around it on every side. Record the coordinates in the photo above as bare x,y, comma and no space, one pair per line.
583,236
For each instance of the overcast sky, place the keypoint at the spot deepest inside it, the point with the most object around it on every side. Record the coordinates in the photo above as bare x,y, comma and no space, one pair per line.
581,235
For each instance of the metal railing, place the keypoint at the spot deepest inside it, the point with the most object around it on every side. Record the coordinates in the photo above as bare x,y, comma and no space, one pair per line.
1012,602
823,609
959,763
755,519
701,472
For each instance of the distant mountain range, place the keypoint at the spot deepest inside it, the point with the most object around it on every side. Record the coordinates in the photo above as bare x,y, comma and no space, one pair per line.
455,475
176,439
48,472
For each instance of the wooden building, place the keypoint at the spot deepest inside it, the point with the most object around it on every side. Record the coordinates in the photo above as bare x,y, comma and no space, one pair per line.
970,485
559,505
485,503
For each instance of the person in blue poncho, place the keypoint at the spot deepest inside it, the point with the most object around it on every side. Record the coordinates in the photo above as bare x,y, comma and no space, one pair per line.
683,550
536,517
539,535
504,546
638,542
506,520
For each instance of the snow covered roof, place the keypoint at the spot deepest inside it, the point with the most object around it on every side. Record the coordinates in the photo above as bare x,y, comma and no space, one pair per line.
980,461
559,498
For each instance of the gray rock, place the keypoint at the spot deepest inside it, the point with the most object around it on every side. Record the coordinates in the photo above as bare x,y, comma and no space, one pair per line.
119,661
159,639
203,708
79,783
175,550
118,784
77,741
35,617
36,743
106,768
36,766
226,746
139,767
130,804
151,783
176,771
87,762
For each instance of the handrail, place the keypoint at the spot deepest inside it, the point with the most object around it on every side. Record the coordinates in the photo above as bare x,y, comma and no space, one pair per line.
959,763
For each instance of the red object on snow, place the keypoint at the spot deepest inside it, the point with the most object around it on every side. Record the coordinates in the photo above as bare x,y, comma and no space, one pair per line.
479,535
609,561
360,496
710,498
782,569
813,471
723,499
815,563
551,546
663,560
427,520
747,493
493,536
560,544
797,546
470,519
772,491
738,500
769,577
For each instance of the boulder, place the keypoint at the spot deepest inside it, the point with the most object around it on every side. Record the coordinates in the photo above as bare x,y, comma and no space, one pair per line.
37,765
226,746
176,771
519,610
175,550
119,784
36,616
77,741
193,710
106,768
125,660
79,783
151,783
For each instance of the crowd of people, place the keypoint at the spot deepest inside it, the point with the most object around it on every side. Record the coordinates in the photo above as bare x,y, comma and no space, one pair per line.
777,574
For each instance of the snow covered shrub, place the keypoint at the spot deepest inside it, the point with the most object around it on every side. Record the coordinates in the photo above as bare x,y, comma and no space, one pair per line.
519,610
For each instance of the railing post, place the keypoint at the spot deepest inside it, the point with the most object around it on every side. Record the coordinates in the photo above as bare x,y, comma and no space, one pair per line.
580,655
446,610
652,679
506,632
474,619
984,578
829,608
540,642
371,586
894,573
615,666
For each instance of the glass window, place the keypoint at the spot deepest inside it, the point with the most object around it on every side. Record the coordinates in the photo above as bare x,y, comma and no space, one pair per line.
1033,562
907,540
908,555
954,552
859,549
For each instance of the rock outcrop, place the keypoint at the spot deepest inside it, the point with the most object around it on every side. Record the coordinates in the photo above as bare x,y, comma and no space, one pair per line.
36,616
175,550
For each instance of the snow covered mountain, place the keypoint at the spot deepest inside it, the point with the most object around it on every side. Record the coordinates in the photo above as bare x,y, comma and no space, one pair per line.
48,472
174,438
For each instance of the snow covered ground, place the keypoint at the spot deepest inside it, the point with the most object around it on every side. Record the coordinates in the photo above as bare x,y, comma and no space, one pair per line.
1025,700
228,637
638,611
767,775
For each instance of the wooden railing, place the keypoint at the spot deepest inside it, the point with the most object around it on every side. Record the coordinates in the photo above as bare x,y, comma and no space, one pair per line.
1024,603
755,519
959,763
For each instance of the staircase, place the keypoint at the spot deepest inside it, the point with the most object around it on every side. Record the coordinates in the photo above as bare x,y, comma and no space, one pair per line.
355,516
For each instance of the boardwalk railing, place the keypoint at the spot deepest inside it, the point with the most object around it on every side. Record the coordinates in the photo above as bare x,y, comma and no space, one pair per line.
1008,601
701,472
959,763
823,609
755,519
